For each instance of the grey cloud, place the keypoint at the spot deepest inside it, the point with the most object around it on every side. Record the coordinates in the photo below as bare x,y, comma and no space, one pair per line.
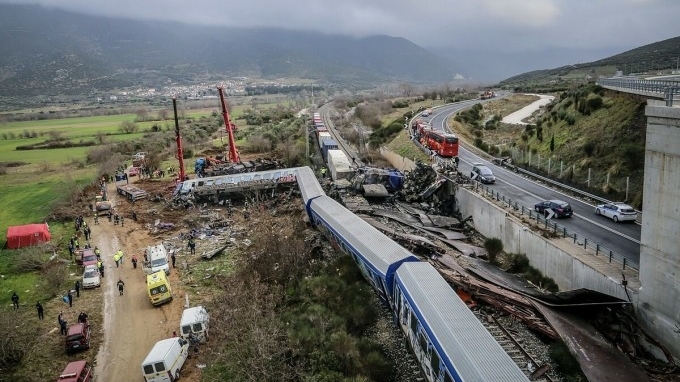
489,25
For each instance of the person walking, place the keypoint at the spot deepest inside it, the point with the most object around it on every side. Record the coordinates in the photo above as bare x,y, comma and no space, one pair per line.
121,255
98,253
173,258
77,288
69,296
15,300
192,245
134,261
121,285
101,268
116,258
40,309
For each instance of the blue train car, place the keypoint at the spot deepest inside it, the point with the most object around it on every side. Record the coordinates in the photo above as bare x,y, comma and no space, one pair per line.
309,185
377,255
448,340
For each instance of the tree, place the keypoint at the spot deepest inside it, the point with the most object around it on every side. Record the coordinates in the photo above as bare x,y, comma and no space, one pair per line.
128,127
494,246
406,89
162,114
142,113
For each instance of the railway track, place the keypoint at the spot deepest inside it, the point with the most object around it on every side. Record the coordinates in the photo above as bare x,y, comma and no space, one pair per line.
342,144
529,365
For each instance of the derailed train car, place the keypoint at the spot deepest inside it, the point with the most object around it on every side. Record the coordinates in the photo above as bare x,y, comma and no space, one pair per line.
448,340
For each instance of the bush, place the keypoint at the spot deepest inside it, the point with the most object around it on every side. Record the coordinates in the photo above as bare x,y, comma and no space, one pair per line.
399,104
594,102
589,148
634,155
128,127
494,246
518,263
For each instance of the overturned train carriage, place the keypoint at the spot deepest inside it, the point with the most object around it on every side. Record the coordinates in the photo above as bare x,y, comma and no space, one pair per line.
446,337
377,255
229,186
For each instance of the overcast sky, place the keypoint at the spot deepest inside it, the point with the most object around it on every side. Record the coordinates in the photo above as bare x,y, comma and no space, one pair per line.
489,25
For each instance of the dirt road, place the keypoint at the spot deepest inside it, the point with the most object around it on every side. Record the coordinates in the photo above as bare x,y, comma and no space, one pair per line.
131,324
517,117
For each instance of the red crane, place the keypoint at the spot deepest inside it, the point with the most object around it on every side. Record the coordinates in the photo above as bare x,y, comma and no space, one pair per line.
233,153
178,139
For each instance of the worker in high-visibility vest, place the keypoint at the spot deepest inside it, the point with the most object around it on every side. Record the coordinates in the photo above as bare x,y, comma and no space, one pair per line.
323,172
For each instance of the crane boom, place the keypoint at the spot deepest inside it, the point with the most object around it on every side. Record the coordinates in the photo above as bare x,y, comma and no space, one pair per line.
178,139
233,153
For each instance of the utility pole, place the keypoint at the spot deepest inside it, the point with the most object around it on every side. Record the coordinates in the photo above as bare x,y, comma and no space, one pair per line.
313,109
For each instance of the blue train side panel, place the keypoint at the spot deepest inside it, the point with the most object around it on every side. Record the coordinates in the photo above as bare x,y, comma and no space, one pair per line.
377,255
448,340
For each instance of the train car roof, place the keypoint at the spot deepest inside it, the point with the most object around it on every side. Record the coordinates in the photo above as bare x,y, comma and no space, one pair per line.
379,251
464,343
308,184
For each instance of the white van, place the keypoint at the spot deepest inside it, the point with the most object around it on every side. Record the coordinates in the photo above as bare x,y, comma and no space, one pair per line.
194,320
156,259
165,360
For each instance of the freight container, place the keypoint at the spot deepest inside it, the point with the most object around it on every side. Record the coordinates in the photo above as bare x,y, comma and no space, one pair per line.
339,165
320,136
328,144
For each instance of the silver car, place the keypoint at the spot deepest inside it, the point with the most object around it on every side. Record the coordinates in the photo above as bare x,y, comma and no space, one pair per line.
91,277
618,212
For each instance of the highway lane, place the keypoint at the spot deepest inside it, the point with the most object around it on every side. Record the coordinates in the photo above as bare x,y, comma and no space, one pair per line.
623,238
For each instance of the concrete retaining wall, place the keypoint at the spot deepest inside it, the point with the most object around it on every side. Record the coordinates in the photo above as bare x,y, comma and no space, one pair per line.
396,160
568,264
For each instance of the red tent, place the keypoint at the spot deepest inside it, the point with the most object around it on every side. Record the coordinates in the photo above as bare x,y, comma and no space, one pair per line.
26,235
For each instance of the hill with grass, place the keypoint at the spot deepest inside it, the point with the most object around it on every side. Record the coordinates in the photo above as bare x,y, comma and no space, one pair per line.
652,59
585,133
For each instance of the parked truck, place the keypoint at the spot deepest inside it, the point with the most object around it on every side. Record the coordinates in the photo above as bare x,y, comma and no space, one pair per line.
131,192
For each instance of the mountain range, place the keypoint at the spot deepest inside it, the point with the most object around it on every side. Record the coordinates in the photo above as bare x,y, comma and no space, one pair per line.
48,51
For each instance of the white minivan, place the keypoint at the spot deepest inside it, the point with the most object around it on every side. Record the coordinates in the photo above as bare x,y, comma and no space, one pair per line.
165,360
156,259
195,321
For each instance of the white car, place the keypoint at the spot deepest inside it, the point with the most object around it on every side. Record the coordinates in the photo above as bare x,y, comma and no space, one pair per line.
91,277
618,212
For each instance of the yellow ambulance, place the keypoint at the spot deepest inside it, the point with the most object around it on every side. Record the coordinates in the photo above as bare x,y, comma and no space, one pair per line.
158,288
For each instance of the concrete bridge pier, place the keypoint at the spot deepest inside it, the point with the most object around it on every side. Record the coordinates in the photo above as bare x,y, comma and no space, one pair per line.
659,296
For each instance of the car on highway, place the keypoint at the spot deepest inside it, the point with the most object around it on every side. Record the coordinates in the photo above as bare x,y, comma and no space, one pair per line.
482,173
559,208
617,211
91,277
